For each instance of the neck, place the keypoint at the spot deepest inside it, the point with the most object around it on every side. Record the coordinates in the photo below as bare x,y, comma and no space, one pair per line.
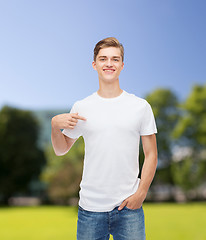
109,90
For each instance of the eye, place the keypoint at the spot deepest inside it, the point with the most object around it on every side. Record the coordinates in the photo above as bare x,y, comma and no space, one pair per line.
102,59
116,60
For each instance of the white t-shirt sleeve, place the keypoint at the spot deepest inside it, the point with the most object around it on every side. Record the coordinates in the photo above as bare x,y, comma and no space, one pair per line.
76,131
148,125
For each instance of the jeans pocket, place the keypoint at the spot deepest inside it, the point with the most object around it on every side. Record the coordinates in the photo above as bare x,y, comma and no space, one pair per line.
132,209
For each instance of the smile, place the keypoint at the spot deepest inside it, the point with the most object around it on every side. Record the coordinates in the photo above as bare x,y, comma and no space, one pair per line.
108,70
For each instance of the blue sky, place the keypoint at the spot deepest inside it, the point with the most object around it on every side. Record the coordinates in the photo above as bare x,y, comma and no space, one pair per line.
46,48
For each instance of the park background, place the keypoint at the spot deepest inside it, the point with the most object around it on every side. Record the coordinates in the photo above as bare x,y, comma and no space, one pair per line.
46,53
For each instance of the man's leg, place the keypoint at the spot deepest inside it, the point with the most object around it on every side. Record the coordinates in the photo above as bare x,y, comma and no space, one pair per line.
92,225
129,224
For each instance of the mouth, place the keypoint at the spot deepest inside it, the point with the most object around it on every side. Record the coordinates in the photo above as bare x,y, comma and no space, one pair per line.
108,70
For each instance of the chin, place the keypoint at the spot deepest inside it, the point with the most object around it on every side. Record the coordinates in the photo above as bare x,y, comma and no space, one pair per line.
109,79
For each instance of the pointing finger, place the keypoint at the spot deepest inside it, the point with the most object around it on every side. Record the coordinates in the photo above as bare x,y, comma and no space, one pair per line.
79,117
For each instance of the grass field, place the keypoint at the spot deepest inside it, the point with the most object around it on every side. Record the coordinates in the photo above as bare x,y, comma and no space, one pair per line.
163,222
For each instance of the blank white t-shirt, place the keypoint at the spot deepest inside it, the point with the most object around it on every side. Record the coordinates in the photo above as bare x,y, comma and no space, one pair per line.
111,135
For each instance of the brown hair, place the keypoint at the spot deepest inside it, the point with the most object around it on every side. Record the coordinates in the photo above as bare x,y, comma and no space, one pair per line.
108,42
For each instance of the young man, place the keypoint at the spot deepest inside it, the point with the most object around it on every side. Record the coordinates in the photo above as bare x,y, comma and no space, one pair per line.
111,122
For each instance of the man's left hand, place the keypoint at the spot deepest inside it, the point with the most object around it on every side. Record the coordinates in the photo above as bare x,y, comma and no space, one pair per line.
133,202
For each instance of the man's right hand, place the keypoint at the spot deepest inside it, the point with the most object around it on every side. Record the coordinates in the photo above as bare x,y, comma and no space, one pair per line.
66,120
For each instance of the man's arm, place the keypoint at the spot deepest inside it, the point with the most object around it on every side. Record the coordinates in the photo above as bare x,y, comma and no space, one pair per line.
61,143
148,171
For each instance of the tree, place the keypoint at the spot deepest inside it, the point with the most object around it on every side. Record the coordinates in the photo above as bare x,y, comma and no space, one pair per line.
21,160
186,173
62,174
191,127
164,104
191,133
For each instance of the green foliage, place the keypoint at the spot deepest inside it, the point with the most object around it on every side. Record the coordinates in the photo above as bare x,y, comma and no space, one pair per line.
20,159
63,173
190,131
188,173
164,105
191,127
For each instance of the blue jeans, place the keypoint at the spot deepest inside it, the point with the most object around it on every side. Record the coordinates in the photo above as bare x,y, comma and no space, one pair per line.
126,224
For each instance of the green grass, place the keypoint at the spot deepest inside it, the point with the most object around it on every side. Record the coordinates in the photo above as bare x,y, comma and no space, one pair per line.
163,222
175,221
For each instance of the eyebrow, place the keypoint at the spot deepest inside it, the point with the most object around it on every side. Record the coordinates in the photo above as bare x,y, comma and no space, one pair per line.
106,57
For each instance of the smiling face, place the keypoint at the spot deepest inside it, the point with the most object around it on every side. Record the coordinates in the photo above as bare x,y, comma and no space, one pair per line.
108,64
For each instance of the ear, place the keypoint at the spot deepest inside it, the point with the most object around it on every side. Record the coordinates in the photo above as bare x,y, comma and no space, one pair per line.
122,65
94,65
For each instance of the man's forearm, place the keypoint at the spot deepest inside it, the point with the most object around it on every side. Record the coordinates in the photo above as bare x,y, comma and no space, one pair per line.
150,164
147,175
58,141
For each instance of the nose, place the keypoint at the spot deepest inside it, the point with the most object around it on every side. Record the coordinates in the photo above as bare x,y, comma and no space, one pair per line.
109,63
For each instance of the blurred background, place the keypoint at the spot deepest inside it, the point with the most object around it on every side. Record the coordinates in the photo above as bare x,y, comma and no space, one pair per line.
46,54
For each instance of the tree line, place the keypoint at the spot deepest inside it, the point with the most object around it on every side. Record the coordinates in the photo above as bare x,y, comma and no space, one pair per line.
27,169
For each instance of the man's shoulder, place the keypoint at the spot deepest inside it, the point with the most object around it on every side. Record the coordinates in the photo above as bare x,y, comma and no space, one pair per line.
136,99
